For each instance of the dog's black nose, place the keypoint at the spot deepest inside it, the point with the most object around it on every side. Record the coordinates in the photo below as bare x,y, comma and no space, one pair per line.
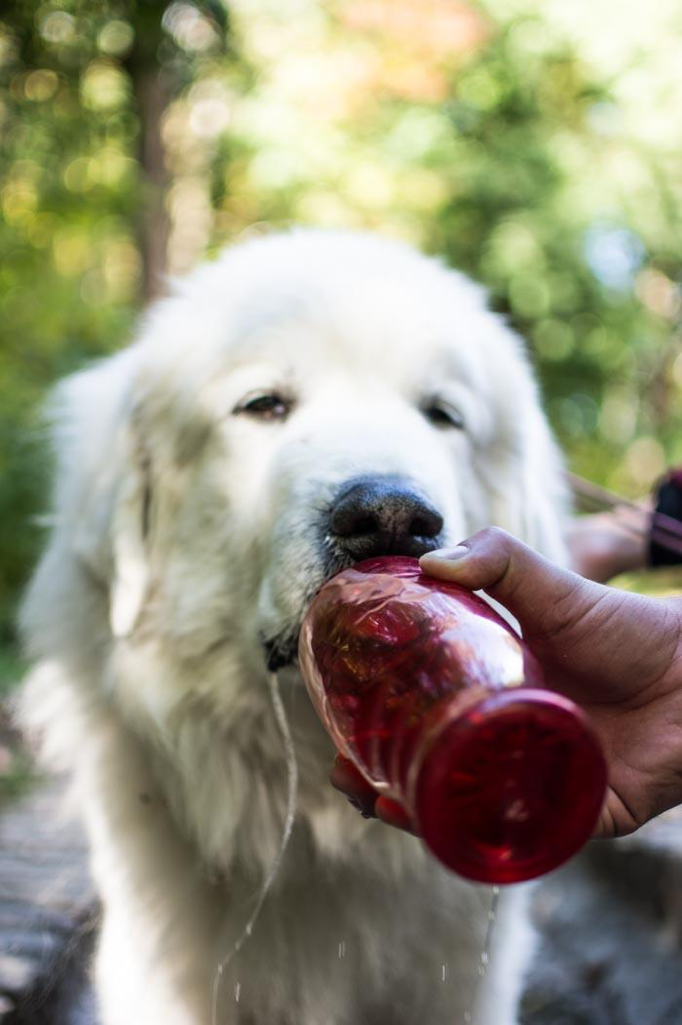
384,516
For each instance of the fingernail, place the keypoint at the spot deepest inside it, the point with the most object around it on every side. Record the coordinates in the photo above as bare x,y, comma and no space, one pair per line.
447,554
365,810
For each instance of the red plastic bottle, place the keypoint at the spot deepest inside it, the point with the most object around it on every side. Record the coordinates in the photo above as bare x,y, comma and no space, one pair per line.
437,702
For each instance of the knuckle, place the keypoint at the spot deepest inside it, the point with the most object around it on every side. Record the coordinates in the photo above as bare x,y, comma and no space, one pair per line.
493,537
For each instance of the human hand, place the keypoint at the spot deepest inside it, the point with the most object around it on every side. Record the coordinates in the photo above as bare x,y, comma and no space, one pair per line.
616,654
346,778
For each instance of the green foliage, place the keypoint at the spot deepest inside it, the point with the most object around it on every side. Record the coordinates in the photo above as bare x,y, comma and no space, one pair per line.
659,583
11,670
16,771
514,222
531,143
72,197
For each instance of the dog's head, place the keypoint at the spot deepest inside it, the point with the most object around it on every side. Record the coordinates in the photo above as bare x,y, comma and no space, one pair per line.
306,401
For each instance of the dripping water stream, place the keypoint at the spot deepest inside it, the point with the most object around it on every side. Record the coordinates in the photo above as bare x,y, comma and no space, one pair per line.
292,790
484,957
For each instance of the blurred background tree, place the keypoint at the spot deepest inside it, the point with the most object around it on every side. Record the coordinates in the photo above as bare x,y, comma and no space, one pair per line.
532,143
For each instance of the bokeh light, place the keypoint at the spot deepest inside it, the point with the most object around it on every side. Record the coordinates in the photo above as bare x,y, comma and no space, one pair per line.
532,143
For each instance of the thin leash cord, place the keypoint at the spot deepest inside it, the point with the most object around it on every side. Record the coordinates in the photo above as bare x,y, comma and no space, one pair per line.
292,790
664,530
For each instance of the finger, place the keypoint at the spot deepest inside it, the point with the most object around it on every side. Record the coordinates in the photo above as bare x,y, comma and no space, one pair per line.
598,642
534,590
346,778
617,818
393,814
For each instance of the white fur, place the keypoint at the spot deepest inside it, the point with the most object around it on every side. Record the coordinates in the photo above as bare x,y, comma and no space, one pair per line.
182,535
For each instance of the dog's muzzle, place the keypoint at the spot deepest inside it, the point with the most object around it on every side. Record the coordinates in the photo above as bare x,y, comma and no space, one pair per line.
371,516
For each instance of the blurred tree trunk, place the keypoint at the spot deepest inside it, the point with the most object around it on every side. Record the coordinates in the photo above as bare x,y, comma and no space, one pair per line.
152,91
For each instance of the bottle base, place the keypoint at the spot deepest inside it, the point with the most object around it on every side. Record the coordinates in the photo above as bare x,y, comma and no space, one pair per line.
511,788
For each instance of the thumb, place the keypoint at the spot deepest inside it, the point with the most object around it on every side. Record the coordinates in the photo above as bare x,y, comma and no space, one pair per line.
598,643
543,597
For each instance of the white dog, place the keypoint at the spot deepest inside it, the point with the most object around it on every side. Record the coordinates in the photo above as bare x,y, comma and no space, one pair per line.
201,473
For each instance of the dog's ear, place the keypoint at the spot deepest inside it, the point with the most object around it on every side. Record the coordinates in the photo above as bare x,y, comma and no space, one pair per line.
129,534
525,476
103,496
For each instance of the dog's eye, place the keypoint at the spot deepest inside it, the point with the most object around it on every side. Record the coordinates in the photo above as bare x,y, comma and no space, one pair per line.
442,414
266,406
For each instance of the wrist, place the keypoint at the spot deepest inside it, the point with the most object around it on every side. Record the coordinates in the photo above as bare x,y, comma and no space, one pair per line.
606,544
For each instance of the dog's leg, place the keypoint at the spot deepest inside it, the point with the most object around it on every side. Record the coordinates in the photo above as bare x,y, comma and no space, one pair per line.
155,960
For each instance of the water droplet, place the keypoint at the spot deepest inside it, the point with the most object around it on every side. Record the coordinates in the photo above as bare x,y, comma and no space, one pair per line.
467,1016
485,957
249,929
237,991
444,972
